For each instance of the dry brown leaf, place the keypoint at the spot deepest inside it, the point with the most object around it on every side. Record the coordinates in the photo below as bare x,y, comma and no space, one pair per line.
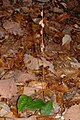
2,64
61,88
37,84
62,17
75,100
4,109
66,39
70,94
19,58
20,55
73,113
75,64
30,118
23,77
10,115
69,72
59,99
13,27
4,12
29,91
45,118
6,2
34,63
34,86
18,17
9,63
8,88
57,10
2,32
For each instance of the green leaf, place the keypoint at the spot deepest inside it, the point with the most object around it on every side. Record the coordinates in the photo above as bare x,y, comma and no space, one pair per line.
23,102
26,102
46,110
36,104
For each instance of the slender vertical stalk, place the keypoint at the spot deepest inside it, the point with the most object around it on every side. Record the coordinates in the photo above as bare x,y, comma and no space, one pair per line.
42,46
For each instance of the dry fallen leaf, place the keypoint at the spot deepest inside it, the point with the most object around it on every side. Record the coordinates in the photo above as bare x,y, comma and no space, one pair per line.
4,109
23,76
30,118
73,113
18,17
62,17
8,88
2,32
34,86
34,63
37,84
61,88
66,39
29,91
13,28
45,118
57,10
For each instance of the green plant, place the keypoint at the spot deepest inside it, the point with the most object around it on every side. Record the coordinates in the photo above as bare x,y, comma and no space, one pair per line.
26,102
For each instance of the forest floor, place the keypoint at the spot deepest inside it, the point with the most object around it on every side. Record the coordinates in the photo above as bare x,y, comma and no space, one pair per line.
40,57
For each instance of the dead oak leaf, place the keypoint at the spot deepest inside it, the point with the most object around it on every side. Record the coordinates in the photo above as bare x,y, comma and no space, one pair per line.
34,86
8,88
4,109
73,113
60,88
23,76
13,28
34,63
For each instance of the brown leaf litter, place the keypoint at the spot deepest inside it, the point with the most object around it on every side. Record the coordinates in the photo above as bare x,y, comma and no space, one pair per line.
24,69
